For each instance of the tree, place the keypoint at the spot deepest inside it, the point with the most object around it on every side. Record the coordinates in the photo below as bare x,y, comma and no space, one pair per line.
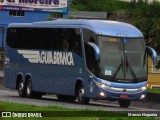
120,15
146,18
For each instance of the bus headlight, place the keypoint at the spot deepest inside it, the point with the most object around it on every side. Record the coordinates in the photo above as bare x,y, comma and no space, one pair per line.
143,88
102,85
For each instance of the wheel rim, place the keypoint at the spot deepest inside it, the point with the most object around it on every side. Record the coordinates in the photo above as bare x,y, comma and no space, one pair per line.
81,93
29,88
21,87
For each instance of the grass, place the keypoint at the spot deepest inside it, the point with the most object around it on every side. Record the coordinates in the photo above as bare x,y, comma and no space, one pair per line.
60,113
153,90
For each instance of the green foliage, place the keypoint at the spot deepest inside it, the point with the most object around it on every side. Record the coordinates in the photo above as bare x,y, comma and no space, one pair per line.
153,90
143,14
98,5
146,18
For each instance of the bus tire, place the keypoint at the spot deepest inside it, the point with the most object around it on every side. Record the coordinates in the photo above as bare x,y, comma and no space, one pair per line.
21,89
29,92
81,96
124,103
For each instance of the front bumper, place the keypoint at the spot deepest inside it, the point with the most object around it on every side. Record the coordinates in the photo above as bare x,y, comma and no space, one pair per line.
117,92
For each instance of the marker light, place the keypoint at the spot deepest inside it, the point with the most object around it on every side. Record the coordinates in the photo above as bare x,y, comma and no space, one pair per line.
102,94
121,35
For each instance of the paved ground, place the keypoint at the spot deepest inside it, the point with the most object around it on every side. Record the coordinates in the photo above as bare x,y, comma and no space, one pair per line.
51,100
152,101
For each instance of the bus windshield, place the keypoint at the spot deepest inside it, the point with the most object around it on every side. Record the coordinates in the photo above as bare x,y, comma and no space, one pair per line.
122,59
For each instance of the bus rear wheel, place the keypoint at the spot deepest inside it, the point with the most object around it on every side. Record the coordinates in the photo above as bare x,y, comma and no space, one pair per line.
30,93
21,89
81,95
124,103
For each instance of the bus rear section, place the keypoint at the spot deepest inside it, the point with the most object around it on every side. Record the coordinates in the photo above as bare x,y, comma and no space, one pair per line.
43,60
84,59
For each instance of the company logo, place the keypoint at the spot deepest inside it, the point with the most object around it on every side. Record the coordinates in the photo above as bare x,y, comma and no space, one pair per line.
6,114
48,57
124,90
20,115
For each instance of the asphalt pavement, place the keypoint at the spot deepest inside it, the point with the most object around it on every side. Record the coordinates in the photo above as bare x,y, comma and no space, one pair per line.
152,101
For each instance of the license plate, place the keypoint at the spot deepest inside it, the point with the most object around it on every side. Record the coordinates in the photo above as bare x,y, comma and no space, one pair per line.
123,96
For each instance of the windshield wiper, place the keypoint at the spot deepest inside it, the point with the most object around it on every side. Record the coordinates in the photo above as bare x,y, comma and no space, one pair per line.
131,69
119,67
115,74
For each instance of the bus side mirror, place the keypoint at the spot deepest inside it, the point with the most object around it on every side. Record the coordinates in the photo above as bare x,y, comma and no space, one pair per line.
154,54
96,49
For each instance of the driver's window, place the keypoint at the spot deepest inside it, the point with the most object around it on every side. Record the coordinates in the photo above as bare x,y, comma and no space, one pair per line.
89,36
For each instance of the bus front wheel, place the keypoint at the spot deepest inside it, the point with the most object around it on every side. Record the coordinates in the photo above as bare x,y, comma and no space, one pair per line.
124,103
81,95
21,89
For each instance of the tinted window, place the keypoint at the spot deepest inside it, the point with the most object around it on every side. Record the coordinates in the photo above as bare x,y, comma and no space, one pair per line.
32,38
16,13
71,40
45,38
89,36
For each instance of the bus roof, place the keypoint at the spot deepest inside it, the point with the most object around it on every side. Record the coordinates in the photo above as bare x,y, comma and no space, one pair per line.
103,27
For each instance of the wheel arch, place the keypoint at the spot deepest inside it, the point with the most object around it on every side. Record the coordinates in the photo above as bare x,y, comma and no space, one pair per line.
78,82
28,75
20,77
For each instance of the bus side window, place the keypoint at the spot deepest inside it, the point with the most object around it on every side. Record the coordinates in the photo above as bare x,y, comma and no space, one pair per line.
90,57
71,40
77,46
28,39
65,44
11,37
89,36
